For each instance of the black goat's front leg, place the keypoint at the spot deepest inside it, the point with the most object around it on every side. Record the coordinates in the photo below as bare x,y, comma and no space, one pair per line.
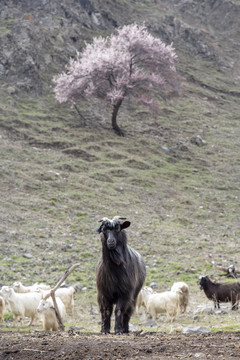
118,322
106,313
119,311
216,304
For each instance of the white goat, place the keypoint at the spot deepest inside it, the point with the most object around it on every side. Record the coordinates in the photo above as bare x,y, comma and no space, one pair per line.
47,311
142,297
20,288
165,302
65,294
183,294
22,304
2,308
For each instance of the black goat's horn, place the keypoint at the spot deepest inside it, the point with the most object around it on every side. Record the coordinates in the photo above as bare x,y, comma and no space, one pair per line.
103,219
119,218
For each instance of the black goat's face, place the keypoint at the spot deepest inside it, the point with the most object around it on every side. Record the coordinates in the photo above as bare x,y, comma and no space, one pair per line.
111,230
111,236
202,281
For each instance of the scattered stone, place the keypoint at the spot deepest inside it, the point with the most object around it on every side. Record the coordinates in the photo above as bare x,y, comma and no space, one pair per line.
53,172
208,309
44,342
165,148
78,288
151,323
65,247
27,256
179,147
199,355
220,312
133,327
197,140
75,328
142,333
183,147
11,90
195,329
154,285
192,270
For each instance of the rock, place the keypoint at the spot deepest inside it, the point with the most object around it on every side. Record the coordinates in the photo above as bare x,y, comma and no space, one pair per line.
154,285
11,90
195,329
180,146
75,328
133,327
220,312
197,140
208,309
27,256
199,355
151,323
78,288
183,147
165,148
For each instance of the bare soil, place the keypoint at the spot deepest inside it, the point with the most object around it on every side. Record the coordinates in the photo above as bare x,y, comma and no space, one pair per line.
75,345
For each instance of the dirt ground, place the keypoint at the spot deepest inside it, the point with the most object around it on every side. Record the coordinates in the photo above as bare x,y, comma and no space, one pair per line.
75,345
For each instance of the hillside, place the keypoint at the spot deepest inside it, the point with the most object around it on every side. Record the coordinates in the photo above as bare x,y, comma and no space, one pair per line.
58,178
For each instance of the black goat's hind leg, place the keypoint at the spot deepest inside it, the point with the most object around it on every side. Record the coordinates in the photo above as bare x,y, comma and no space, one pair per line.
126,318
234,304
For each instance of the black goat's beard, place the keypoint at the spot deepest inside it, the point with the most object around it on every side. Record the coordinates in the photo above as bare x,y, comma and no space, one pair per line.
116,256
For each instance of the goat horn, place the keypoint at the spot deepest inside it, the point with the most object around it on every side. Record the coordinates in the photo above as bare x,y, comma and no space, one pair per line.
103,219
119,218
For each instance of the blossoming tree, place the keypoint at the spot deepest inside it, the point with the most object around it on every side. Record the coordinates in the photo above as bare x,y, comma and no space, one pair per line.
130,62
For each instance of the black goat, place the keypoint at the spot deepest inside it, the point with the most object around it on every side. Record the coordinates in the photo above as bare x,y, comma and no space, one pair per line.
120,275
221,292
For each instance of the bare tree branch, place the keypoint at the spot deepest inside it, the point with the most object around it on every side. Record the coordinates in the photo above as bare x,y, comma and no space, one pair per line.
231,271
52,294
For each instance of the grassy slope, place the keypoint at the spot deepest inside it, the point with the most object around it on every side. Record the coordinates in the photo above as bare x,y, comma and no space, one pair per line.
58,179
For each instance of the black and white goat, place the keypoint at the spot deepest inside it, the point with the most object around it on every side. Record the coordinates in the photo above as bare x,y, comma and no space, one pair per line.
221,292
120,275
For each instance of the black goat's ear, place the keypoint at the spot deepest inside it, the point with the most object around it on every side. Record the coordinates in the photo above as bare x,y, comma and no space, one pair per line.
99,230
125,225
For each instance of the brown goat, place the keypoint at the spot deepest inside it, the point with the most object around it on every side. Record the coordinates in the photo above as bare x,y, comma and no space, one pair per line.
2,308
221,292
120,275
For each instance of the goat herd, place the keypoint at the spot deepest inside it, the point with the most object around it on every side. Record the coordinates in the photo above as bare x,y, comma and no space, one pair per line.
30,301
120,276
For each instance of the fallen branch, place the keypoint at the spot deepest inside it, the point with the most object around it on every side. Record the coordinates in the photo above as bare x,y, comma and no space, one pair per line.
52,294
36,350
231,271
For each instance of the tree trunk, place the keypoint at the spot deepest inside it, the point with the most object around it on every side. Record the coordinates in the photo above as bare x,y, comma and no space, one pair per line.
81,115
115,126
